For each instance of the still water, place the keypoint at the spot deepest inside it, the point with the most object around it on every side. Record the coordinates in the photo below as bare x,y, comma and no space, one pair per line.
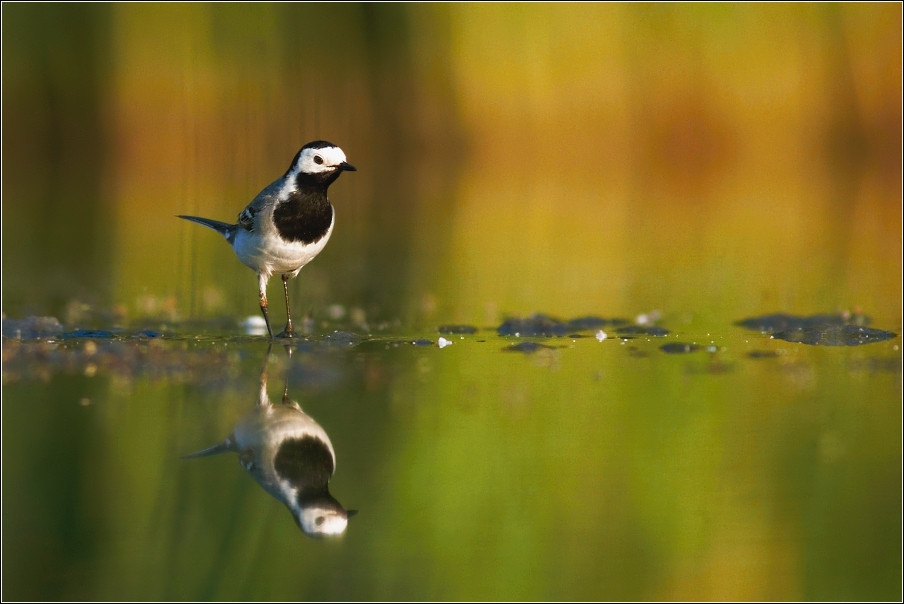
588,467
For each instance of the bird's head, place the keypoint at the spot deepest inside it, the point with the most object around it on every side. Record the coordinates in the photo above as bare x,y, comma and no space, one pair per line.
318,162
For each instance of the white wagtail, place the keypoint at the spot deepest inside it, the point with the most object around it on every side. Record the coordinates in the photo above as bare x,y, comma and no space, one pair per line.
291,457
288,223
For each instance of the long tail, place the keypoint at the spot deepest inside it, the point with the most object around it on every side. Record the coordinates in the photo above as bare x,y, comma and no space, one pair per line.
223,447
223,228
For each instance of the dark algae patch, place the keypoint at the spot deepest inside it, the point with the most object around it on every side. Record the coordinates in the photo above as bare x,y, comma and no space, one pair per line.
779,322
835,335
841,329
147,333
643,330
537,325
544,325
586,323
88,333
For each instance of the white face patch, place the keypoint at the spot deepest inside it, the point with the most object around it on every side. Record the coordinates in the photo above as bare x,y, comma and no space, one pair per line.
322,522
314,161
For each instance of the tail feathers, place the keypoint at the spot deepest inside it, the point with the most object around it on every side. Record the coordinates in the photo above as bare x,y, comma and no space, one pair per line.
224,447
223,228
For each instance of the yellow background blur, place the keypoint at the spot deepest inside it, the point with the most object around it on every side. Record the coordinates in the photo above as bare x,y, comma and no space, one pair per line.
718,160
709,161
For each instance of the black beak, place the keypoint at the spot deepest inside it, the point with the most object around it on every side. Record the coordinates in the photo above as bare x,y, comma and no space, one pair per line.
351,513
347,167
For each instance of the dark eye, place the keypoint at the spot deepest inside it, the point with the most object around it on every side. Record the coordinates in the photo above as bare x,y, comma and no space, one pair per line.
319,519
318,160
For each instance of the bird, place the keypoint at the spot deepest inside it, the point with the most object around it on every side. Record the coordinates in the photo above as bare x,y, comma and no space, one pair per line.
291,457
288,223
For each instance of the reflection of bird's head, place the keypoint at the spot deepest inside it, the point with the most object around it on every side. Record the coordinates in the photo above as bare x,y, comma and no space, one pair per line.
303,466
324,518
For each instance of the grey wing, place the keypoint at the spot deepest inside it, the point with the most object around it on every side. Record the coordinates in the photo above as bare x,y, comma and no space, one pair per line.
266,197
246,217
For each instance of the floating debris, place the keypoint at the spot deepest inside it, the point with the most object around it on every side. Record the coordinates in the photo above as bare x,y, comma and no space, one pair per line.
526,347
648,318
443,342
457,329
31,328
835,335
778,322
679,348
601,335
643,330
422,342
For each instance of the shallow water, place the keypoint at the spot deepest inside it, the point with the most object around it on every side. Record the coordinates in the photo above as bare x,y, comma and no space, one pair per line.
677,169
746,467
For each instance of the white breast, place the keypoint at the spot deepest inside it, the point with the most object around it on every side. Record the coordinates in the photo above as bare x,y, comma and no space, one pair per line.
268,253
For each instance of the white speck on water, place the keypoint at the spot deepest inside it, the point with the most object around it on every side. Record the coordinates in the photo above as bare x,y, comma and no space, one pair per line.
254,325
517,335
711,348
443,342
648,318
601,335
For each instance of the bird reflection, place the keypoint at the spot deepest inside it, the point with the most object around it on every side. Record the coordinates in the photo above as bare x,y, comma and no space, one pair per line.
291,457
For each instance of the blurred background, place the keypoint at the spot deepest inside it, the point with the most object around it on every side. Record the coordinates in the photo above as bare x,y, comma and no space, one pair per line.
713,160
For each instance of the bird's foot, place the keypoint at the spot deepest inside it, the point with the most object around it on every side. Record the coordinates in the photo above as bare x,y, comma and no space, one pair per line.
287,333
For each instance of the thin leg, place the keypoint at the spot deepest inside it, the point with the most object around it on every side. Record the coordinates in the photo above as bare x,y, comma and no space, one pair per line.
262,282
263,399
288,332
